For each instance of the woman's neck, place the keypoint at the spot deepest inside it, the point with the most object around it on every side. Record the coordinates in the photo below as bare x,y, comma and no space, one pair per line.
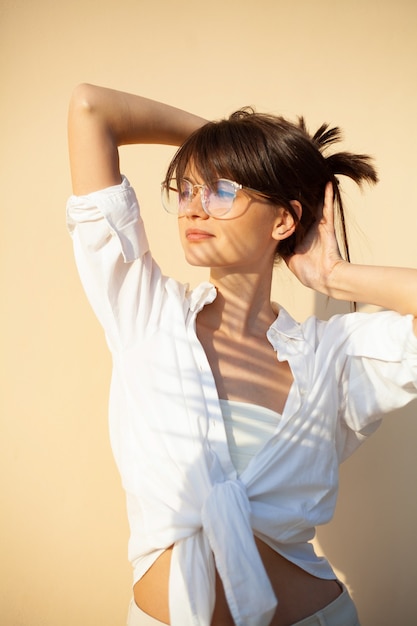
242,306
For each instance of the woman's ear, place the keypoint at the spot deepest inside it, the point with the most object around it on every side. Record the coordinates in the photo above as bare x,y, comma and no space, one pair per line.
285,223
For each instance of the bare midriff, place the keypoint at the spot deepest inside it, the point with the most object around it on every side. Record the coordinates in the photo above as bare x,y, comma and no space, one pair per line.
300,594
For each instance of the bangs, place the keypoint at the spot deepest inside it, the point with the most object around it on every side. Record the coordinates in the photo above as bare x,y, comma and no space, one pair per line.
225,149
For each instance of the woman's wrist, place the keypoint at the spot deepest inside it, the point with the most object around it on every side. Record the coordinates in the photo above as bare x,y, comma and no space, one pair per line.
386,287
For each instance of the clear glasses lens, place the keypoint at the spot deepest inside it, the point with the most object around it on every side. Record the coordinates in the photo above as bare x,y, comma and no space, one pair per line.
170,197
220,198
216,198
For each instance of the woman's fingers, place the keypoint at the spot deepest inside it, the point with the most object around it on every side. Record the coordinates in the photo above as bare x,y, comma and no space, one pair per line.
328,205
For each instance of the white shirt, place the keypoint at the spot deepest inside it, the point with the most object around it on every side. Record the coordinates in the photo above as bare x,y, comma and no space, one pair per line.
168,435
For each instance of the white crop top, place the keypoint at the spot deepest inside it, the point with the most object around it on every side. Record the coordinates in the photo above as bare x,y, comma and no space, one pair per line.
248,428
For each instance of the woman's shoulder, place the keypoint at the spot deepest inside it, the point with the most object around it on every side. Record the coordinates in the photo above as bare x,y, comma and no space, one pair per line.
384,334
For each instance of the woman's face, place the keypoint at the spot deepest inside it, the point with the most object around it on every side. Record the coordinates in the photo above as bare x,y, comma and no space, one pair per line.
244,243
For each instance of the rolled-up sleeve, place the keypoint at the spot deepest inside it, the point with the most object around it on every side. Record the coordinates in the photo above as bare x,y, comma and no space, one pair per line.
375,362
117,209
113,259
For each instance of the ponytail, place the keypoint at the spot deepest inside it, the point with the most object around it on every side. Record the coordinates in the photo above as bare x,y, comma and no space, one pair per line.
357,167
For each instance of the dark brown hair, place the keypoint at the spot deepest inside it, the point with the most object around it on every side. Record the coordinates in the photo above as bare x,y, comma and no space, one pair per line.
278,158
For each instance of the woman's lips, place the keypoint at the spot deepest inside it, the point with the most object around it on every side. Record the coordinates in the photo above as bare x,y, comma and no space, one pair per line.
195,234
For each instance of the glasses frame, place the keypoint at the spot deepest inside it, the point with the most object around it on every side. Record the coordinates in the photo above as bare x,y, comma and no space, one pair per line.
203,187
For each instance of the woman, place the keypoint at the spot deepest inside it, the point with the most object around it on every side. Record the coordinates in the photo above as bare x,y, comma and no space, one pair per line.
228,419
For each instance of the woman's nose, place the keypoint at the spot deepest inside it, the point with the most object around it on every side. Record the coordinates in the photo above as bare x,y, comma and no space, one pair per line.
195,205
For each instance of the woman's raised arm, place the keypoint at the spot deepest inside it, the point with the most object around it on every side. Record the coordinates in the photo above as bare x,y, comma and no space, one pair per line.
100,120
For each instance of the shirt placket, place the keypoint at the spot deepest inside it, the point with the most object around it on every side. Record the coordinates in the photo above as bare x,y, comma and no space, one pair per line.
216,432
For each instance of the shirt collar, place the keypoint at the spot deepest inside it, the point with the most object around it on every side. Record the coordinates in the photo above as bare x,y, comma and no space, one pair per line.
286,337
286,326
204,293
285,330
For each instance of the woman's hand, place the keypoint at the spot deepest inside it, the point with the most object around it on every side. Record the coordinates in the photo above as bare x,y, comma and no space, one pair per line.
318,264
316,258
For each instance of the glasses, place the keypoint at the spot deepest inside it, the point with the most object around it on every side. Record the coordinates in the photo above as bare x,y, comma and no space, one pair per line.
217,198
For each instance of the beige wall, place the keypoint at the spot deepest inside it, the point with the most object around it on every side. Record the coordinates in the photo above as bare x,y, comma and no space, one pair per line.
63,530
